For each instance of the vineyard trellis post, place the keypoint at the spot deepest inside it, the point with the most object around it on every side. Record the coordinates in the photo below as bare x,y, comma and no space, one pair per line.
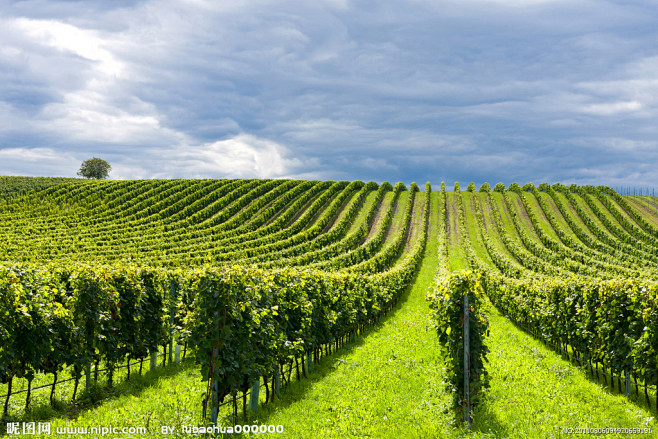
214,411
253,396
628,383
309,361
154,360
467,393
171,319
277,380
88,376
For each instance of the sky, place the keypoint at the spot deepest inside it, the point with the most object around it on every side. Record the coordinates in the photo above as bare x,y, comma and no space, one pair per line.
417,90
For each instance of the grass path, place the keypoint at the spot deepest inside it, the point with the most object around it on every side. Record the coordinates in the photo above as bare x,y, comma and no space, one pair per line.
387,384
536,394
458,260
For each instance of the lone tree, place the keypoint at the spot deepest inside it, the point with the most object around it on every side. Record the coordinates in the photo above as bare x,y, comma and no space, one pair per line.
95,168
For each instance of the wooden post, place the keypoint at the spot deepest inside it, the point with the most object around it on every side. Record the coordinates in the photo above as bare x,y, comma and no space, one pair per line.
253,397
88,376
171,320
309,361
9,384
154,360
628,384
467,366
277,380
214,402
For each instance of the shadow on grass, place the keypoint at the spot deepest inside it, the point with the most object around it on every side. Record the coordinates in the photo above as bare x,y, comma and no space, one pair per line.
637,397
486,421
296,389
95,396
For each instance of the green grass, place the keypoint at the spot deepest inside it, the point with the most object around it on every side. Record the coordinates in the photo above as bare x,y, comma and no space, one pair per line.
544,225
473,228
590,214
360,218
508,225
347,204
605,211
458,260
384,207
168,396
645,207
387,384
535,393
40,397
397,222
562,223
485,207
625,214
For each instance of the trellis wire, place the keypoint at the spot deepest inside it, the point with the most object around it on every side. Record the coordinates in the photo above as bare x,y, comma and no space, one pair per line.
160,354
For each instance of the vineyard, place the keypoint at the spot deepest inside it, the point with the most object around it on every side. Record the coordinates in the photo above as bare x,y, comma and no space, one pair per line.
264,281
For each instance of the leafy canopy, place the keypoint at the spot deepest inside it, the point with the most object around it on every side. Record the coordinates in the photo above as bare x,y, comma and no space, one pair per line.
95,168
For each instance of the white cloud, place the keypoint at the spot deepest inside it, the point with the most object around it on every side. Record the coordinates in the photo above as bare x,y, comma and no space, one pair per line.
241,156
30,155
8,119
611,108
521,3
619,144
65,37
88,115
98,106
38,161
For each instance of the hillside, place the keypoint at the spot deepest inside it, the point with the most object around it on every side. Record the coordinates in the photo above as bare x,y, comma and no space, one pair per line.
195,222
269,276
326,225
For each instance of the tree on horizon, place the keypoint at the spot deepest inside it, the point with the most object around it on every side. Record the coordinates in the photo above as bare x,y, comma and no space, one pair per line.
95,168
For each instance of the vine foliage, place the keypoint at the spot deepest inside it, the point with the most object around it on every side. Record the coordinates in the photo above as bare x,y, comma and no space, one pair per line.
447,304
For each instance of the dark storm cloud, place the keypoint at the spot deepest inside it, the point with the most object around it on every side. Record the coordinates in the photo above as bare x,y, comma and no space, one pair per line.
487,90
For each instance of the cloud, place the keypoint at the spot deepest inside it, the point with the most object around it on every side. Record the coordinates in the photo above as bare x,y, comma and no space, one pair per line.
379,164
612,108
466,90
37,161
68,38
243,156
